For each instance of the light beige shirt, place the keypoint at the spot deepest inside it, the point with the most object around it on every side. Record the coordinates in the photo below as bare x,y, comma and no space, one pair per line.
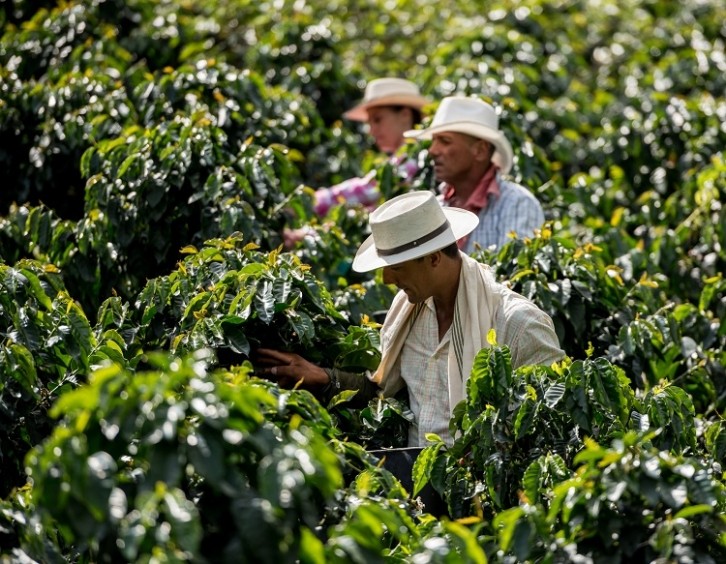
424,368
481,304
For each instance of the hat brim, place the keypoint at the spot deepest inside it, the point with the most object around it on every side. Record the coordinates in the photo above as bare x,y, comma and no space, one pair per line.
503,155
462,223
360,112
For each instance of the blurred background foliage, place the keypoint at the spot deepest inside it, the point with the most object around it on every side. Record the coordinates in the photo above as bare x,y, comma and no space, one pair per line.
152,152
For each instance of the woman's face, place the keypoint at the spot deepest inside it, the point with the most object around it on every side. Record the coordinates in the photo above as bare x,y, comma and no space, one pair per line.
386,125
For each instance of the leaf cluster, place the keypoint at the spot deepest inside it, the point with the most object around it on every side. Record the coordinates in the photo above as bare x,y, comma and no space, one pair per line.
215,460
527,459
131,130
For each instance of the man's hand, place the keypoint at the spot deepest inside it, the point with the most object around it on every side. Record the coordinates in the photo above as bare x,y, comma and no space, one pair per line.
289,369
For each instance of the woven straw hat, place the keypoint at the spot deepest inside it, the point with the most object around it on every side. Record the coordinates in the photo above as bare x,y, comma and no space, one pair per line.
387,92
410,226
474,117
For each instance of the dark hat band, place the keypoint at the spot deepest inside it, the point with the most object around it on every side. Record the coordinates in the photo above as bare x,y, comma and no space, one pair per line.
415,243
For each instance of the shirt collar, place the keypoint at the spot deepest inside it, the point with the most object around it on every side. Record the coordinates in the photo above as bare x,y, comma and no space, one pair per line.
479,198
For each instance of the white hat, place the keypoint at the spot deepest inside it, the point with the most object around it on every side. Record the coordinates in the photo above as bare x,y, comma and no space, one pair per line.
410,226
474,117
387,92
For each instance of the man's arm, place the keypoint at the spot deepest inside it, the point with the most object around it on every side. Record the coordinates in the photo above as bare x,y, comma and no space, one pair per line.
528,332
290,369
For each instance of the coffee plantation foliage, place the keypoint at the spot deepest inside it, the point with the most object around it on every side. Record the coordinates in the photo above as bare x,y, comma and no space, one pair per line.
153,152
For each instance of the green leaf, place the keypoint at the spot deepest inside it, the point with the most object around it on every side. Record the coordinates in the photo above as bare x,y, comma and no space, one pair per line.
690,511
281,289
87,397
525,418
252,269
343,397
302,324
423,465
128,161
240,307
491,378
522,540
554,394
312,549
101,469
182,515
40,227
110,350
264,301
83,337
505,522
610,387
675,495
234,335
716,440
206,453
198,303
466,541
22,368
86,161
531,480
14,280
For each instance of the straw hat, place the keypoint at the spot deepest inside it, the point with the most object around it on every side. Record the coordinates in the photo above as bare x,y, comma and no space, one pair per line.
474,117
387,92
410,226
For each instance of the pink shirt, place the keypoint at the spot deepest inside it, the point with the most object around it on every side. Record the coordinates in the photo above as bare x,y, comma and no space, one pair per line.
478,199
362,191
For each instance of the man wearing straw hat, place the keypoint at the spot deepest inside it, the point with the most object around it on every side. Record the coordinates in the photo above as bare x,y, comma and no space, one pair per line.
471,156
438,321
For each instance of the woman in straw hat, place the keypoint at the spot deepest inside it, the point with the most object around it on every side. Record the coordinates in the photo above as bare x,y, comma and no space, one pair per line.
440,319
389,107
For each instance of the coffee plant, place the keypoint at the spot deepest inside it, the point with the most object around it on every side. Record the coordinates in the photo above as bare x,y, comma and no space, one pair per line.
155,155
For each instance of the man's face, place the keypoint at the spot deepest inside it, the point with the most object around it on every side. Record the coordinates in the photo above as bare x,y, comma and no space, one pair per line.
413,277
455,154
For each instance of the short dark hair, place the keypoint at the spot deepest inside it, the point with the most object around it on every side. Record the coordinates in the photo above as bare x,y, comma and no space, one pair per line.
415,114
451,250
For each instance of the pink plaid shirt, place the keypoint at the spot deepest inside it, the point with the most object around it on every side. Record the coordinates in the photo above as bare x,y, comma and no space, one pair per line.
362,191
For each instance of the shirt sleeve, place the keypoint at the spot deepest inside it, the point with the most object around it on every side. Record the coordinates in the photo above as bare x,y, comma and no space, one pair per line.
359,190
529,333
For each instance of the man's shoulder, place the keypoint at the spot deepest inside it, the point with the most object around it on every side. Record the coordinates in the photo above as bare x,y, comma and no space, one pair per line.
515,306
527,330
512,188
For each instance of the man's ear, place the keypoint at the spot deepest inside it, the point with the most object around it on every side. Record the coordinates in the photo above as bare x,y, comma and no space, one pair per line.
483,150
435,258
